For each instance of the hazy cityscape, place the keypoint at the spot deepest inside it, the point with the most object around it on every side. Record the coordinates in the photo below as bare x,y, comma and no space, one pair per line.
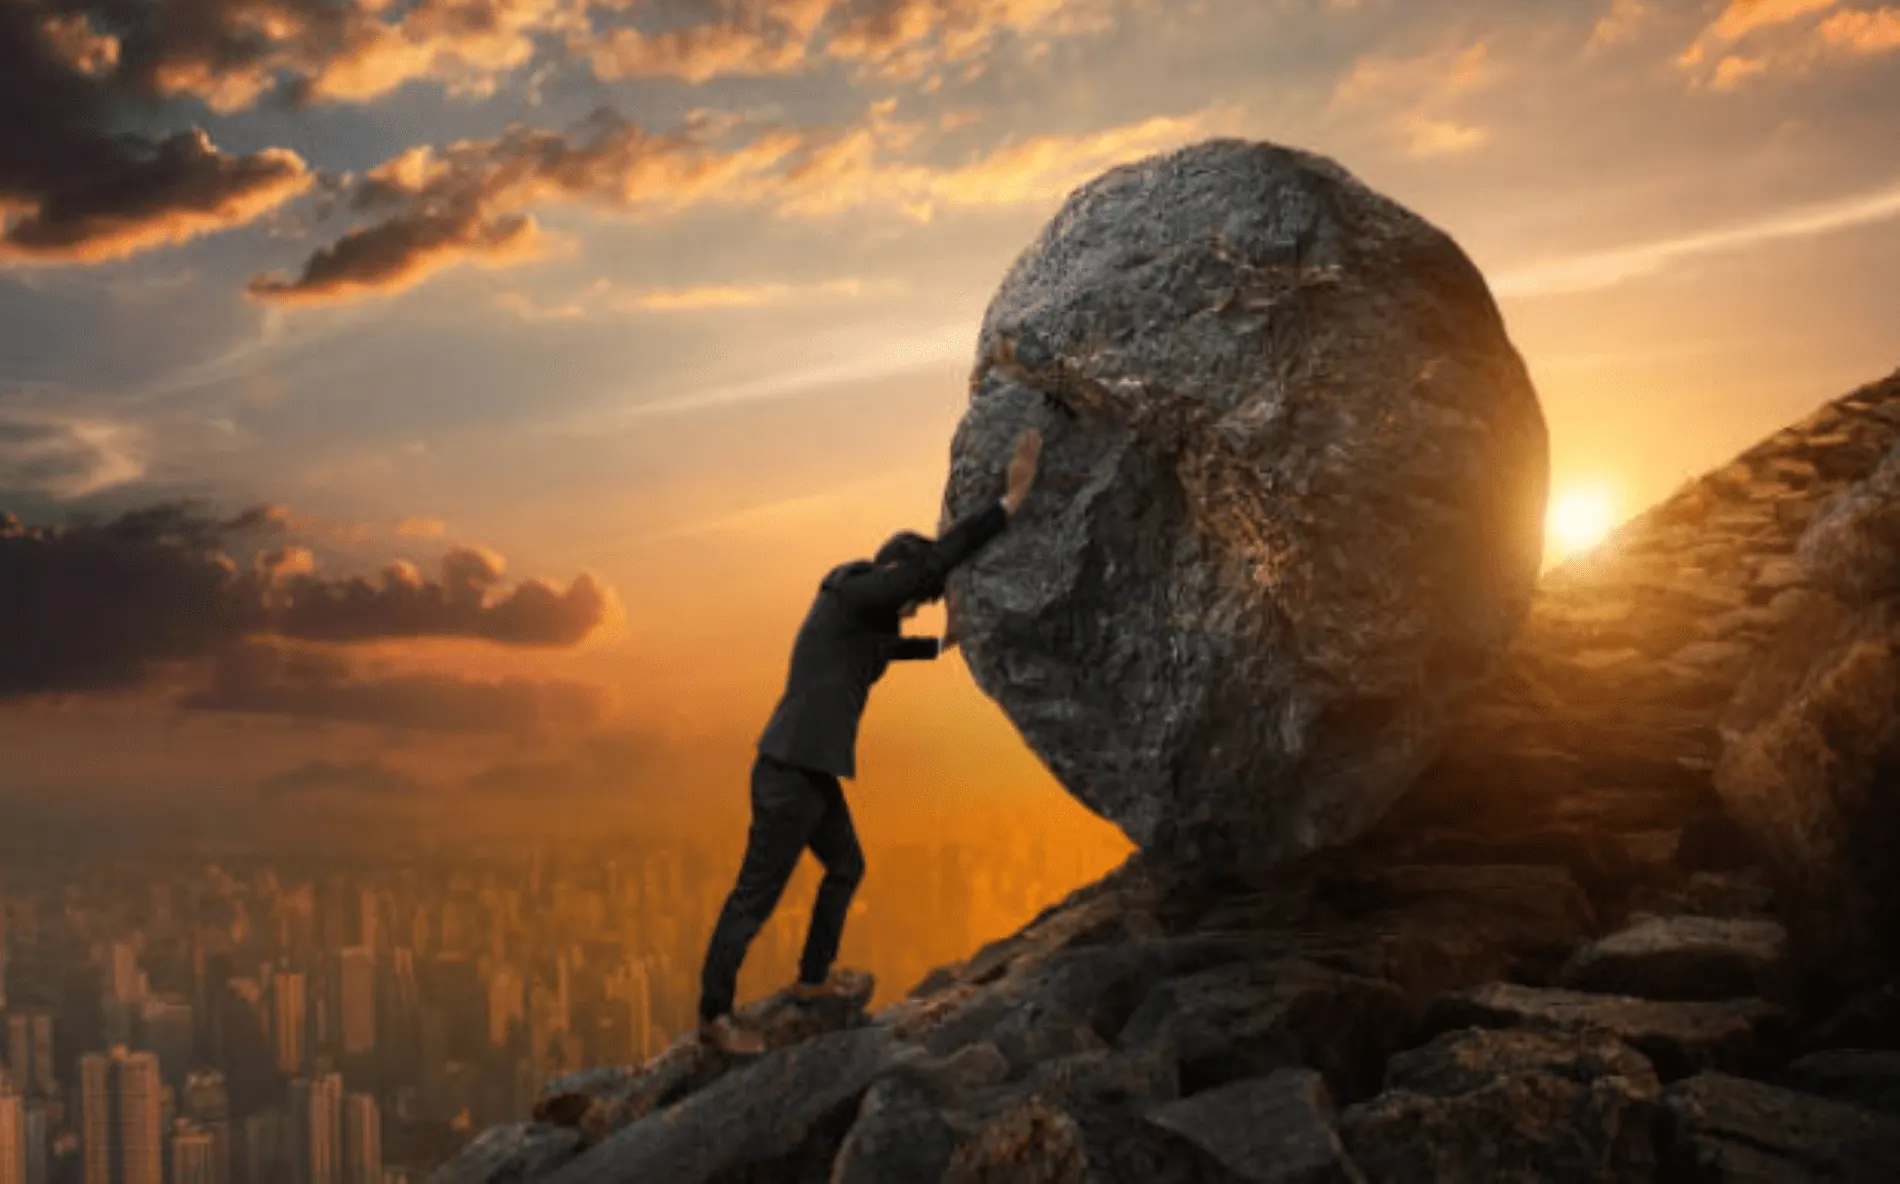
267,1018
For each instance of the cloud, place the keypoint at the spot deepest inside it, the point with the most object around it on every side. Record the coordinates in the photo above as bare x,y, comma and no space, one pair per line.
892,38
268,679
356,778
458,604
467,200
100,606
605,297
1785,37
1624,20
759,38
1417,94
1860,30
74,187
456,202
66,457
1601,269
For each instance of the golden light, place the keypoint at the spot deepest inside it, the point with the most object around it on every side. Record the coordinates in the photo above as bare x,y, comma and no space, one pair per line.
1579,520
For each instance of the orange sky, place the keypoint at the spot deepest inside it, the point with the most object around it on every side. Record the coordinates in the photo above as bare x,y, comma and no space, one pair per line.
716,341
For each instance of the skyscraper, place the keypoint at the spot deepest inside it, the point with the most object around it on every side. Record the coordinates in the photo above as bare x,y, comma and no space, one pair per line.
38,1141
207,1102
119,1103
288,1019
194,1155
12,1136
266,1151
356,983
362,1140
30,1052
316,1120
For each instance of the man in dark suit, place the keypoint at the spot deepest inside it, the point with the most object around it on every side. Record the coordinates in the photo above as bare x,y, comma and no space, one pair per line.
851,633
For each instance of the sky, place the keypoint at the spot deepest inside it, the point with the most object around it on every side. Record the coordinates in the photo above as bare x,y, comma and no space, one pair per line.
456,402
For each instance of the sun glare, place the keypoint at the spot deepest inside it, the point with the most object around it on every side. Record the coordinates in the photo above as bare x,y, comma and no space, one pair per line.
1579,520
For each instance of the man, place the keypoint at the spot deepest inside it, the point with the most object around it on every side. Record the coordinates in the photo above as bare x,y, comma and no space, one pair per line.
851,633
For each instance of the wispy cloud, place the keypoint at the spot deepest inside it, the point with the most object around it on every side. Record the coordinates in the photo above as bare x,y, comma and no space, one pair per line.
1602,269
603,297
1418,96
68,457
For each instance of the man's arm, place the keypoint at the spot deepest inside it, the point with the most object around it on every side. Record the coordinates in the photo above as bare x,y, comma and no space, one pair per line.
915,647
887,589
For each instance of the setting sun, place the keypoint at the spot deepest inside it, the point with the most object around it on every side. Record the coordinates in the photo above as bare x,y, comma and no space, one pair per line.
1579,520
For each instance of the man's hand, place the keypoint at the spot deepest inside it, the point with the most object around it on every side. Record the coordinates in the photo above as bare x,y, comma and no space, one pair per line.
1022,469
950,621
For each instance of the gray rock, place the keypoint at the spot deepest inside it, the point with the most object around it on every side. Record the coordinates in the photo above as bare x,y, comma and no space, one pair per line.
900,1134
1686,957
1030,1142
1679,1038
773,1115
1868,1078
1290,505
1720,1129
1810,744
1248,1020
512,1154
1509,1105
1852,547
1276,1129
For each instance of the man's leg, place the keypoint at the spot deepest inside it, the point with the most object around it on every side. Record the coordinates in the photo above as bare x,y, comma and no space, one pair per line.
785,809
835,842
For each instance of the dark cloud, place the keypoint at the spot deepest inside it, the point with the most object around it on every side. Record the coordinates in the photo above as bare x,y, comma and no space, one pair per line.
361,778
93,607
263,679
459,604
96,606
467,200
72,190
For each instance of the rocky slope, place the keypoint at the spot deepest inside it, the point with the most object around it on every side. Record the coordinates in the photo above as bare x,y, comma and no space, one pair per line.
1565,955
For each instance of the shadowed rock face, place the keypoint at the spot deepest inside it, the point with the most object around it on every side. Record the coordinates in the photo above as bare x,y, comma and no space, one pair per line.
1290,504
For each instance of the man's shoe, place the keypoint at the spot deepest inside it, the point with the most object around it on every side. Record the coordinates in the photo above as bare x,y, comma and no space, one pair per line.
731,1037
836,986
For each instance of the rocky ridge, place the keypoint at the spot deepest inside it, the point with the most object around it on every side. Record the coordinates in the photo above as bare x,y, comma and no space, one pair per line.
1566,954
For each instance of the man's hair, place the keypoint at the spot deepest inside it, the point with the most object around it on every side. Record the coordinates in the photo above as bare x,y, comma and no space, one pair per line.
908,547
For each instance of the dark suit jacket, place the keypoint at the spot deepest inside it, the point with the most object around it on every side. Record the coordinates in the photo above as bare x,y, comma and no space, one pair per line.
849,636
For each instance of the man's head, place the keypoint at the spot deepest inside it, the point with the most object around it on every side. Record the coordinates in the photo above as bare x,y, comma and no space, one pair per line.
902,548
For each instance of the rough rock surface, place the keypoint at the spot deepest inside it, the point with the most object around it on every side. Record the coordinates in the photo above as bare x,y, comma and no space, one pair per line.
1576,790
1484,1105
1686,957
1679,1038
1724,1129
1276,1129
1290,506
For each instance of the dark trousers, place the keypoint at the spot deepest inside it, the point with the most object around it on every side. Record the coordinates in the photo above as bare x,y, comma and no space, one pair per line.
792,808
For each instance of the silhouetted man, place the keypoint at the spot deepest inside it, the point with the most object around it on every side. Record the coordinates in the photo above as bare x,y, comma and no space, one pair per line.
851,633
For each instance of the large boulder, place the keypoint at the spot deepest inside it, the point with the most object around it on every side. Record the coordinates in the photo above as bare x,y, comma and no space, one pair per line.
1290,509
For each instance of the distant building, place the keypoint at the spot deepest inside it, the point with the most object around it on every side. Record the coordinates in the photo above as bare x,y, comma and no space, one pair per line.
120,1118
165,1027
362,1140
316,1124
356,988
39,1136
12,1136
207,1102
265,1157
289,1017
30,1052
194,1155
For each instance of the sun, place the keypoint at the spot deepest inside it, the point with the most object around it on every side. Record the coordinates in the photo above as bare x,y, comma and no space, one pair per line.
1579,520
